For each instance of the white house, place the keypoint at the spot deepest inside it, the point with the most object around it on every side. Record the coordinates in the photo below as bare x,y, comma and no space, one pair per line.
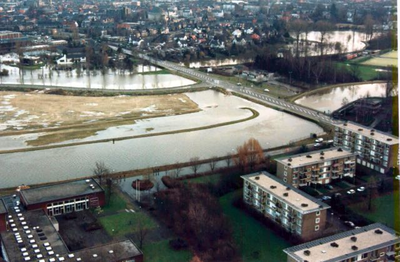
70,60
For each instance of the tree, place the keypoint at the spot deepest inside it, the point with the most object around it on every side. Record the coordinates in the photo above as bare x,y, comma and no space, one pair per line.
194,164
317,70
372,192
298,26
324,28
249,155
369,23
178,169
141,231
101,171
334,12
228,159
213,163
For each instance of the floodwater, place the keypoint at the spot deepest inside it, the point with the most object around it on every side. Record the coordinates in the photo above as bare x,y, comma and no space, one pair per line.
350,41
216,62
331,99
271,128
95,79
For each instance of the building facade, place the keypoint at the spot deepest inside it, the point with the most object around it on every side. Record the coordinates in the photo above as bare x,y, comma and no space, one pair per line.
317,167
3,216
374,149
64,198
292,209
375,242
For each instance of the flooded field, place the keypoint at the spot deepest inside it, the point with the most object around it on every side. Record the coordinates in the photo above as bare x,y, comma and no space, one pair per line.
270,128
331,99
144,77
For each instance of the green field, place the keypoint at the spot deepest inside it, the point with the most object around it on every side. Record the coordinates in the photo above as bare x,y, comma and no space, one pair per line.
386,59
125,223
256,242
383,209
367,73
213,179
115,203
161,252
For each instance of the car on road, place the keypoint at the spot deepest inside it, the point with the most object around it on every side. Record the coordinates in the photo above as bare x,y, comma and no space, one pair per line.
351,191
326,198
317,144
239,84
361,189
319,140
397,177
349,223
266,90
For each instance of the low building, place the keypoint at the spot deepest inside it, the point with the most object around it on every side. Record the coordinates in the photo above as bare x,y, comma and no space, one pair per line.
33,237
3,216
295,211
374,149
64,198
375,242
11,41
317,167
71,59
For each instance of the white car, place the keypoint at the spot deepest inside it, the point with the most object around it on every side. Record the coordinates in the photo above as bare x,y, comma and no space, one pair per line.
397,177
317,144
266,90
319,140
351,191
361,189
349,223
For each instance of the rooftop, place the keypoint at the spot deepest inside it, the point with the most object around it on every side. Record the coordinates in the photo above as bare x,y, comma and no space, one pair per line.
285,192
38,228
371,133
345,245
60,191
314,157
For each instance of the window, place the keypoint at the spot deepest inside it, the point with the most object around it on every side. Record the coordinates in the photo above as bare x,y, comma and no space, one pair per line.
316,228
318,213
365,255
382,254
317,220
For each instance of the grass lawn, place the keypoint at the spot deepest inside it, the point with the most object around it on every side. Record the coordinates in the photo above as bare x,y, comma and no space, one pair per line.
384,210
341,184
205,179
256,242
366,72
386,59
115,204
124,223
161,252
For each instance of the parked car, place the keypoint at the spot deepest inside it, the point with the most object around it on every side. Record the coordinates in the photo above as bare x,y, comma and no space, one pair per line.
338,195
349,223
351,191
361,189
326,198
317,144
319,140
329,187
397,177
239,84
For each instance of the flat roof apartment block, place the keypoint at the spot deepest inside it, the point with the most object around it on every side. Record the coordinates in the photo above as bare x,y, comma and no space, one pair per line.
295,211
374,149
3,215
316,167
65,197
375,242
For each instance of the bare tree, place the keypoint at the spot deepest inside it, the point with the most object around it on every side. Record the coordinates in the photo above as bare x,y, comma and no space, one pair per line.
178,169
228,159
194,164
324,28
369,23
101,171
317,70
141,232
213,163
298,26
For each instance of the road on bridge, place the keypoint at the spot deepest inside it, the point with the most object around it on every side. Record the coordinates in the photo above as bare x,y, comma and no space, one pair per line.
243,90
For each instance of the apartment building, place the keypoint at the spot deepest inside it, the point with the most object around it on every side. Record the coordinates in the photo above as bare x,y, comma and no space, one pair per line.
317,167
374,149
375,242
292,209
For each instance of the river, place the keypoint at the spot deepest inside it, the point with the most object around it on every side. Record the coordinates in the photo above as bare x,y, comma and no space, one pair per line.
272,128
